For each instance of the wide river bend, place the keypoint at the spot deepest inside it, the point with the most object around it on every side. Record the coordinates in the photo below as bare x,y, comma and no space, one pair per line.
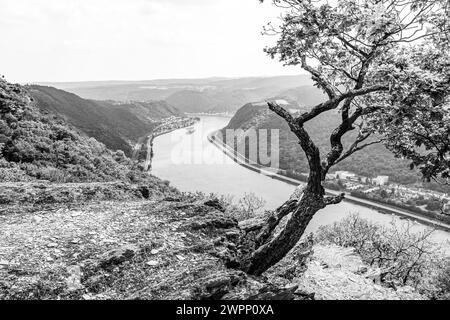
191,163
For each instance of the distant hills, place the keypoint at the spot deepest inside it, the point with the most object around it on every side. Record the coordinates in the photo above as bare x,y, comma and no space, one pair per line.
117,125
304,95
212,95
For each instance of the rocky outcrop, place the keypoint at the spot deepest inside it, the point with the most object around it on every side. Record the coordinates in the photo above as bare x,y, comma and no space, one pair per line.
46,193
114,249
149,248
236,285
118,256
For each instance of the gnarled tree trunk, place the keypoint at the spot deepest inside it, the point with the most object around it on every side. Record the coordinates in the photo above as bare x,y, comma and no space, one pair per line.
272,252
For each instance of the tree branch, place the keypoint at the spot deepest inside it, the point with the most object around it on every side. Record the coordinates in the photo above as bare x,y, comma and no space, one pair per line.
309,148
317,76
354,148
274,220
279,110
333,200
351,46
333,103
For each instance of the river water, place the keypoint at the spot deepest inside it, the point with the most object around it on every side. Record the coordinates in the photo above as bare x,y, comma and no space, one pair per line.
191,163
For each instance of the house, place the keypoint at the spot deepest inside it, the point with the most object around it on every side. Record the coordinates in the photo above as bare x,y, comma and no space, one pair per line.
331,176
364,179
381,180
344,175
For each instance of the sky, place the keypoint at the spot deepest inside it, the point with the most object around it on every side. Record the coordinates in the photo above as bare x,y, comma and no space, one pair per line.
89,40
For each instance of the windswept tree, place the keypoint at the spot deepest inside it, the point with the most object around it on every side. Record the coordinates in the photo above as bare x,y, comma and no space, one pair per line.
385,66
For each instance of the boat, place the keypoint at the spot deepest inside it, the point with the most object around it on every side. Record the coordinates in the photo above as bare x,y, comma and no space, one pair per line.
190,130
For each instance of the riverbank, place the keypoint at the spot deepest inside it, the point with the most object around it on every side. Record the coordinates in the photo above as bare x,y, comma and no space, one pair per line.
164,128
242,161
205,114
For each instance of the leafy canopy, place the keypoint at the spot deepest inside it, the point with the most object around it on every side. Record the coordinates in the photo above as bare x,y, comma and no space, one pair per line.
384,65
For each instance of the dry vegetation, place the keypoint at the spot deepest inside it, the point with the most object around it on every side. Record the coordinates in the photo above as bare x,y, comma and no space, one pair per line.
401,256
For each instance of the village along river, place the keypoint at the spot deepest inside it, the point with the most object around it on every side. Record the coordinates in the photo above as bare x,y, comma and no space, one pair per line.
191,163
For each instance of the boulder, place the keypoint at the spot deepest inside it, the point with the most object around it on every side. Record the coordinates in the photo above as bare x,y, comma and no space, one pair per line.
215,203
217,285
213,220
236,285
73,281
118,256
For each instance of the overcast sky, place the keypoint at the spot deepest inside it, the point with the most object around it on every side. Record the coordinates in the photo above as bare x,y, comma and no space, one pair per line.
76,40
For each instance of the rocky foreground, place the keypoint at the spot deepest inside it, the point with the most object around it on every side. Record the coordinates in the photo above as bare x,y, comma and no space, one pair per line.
123,241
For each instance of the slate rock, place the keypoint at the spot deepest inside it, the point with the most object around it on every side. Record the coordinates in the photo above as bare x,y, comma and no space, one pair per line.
215,203
118,256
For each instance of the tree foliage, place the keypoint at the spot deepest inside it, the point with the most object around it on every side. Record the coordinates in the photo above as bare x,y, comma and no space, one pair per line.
385,65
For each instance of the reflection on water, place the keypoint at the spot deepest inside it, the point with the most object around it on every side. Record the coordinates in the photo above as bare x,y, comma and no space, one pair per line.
191,163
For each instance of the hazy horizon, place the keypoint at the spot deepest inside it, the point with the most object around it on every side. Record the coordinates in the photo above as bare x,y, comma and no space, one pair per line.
169,79
117,40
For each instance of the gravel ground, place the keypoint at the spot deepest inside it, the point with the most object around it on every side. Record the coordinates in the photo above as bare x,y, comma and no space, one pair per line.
55,253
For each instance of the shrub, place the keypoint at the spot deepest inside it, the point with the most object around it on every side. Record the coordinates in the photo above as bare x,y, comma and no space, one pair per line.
442,281
403,256
244,208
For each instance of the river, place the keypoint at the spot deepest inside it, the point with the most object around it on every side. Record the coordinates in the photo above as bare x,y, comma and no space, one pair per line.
191,163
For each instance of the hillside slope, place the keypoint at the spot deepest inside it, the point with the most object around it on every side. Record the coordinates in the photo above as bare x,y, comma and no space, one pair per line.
375,160
151,110
305,96
38,145
193,101
115,125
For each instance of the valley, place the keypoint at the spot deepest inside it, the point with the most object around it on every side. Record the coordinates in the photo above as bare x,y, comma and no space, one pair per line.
203,166
224,155
98,218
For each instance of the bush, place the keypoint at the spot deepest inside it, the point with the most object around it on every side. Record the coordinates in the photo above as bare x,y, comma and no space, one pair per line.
442,281
249,205
404,257
244,208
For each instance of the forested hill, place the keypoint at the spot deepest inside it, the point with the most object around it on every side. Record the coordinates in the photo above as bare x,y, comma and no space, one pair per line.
117,125
37,145
373,161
